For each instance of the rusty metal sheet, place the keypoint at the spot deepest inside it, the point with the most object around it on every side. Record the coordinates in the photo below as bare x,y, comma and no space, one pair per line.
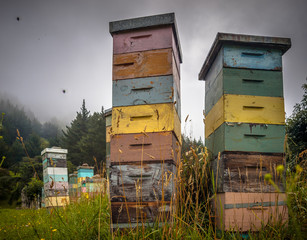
152,147
245,171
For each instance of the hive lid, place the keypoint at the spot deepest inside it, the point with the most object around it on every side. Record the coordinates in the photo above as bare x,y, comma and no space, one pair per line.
54,150
251,40
147,22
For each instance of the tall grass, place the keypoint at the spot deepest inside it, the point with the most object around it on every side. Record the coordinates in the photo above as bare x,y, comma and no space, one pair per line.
192,217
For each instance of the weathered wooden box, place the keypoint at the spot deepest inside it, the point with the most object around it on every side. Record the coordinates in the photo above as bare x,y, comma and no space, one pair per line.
246,137
54,162
56,192
147,148
144,64
151,90
56,185
56,201
132,214
146,118
245,171
142,182
245,52
144,40
245,109
249,211
242,82
55,174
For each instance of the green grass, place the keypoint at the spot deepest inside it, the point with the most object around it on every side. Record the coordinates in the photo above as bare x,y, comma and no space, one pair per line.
83,220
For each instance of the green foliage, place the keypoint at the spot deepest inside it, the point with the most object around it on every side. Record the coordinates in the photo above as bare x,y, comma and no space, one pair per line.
33,189
297,129
86,219
85,138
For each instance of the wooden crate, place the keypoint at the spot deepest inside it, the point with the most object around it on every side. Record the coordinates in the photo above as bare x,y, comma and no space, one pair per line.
144,64
54,174
249,211
151,90
142,182
54,162
245,109
56,185
130,214
146,39
56,201
245,171
138,147
148,118
248,137
242,82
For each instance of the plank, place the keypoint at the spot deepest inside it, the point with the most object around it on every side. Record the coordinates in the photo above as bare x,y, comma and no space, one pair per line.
144,40
243,82
56,201
245,109
146,212
151,90
265,58
143,64
246,137
152,147
148,118
142,182
249,211
56,185
54,162
245,171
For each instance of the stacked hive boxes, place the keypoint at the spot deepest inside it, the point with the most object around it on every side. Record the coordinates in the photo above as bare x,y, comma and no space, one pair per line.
245,123
145,133
85,173
55,177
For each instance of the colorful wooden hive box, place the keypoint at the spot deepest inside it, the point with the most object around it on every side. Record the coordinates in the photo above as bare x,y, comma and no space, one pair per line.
245,127
145,135
56,188
244,103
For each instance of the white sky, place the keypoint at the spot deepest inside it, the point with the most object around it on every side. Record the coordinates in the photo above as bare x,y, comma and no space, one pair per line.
61,44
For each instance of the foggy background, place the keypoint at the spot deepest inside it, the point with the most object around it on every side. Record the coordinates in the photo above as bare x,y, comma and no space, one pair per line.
50,46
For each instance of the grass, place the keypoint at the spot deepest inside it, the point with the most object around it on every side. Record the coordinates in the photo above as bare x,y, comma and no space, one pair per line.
193,218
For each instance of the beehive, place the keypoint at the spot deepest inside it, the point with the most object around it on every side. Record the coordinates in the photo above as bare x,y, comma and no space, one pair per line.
145,134
244,120
56,188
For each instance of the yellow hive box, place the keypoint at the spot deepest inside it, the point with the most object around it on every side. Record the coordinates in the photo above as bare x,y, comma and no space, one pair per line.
108,134
245,109
146,118
56,201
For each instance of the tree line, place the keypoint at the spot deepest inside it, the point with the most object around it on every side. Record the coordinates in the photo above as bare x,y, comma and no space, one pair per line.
23,137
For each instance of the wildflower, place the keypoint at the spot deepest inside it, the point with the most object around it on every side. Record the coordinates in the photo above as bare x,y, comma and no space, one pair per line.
280,169
54,230
267,177
298,168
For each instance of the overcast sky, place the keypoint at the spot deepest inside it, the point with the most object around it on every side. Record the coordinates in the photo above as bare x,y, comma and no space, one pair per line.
65,44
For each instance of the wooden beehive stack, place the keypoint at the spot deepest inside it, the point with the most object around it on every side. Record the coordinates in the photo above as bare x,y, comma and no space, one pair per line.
55,177
245,127
146,128
85,173
73,186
